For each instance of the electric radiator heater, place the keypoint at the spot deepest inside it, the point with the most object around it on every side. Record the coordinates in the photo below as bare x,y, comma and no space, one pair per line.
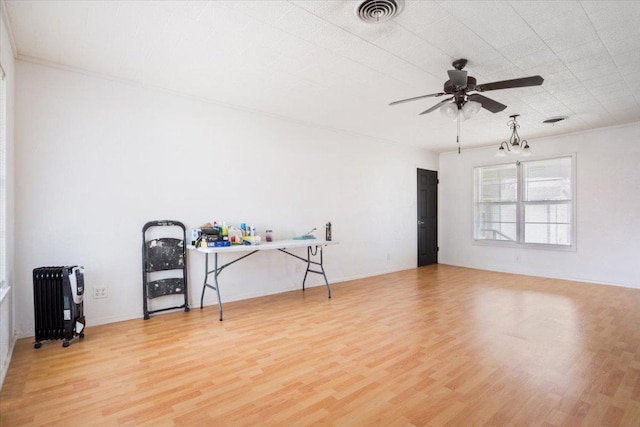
58,305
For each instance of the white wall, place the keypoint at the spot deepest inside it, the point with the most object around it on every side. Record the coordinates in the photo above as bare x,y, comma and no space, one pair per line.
7,337
96,159
608,202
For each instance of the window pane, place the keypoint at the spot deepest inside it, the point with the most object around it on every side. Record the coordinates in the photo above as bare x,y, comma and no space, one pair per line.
496,184
495,222
552,234
547,213
547,179
548,223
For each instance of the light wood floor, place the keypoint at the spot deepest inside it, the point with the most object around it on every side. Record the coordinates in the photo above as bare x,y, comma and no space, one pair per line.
434,346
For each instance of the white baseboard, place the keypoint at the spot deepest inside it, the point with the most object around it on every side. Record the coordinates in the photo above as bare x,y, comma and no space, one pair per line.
549,276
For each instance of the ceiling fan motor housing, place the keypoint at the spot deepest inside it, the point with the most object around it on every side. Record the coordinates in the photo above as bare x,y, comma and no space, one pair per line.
451,88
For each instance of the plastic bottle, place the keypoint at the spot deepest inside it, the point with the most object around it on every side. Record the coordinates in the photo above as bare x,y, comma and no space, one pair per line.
328,231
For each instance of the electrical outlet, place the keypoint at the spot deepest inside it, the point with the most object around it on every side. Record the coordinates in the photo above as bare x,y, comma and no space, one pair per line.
100,292
388,257
518,259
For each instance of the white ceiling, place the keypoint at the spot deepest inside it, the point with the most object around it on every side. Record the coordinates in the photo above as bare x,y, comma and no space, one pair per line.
314,62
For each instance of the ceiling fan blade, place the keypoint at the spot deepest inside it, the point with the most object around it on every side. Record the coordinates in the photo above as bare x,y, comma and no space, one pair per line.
458,77
435,107
487,103
506,84
417,97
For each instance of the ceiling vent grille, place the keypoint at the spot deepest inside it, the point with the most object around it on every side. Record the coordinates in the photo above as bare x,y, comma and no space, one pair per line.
376,11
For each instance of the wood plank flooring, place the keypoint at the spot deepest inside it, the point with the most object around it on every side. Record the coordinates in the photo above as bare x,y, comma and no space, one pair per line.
434,346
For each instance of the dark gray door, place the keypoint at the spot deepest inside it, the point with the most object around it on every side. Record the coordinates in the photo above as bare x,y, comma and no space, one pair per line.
427,217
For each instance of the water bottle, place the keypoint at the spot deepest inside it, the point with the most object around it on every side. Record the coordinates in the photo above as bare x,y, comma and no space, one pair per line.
328,232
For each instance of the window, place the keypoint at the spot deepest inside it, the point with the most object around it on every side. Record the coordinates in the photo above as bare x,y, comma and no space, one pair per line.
3,180
527,203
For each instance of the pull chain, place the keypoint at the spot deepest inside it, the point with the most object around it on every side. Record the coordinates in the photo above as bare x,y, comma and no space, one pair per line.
458,133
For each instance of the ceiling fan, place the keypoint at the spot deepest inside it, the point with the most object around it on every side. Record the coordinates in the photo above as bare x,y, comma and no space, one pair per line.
460,85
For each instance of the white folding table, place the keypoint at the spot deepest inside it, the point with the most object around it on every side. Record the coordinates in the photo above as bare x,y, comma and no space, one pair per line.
314,260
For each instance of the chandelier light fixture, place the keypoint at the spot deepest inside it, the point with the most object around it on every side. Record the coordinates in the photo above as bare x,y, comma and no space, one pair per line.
514,145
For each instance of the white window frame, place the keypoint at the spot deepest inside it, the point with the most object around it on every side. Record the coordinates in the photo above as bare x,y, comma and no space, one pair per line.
3,184
520,204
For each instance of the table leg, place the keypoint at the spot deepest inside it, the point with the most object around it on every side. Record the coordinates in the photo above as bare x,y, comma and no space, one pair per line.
206,274
216,272
217,287
205,285
320,264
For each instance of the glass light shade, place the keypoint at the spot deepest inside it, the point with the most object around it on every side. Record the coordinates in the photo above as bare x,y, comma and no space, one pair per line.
449,110
501,152
526,150
515,148
471,108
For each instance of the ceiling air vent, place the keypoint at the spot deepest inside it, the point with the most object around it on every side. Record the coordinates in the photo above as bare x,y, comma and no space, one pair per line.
376,11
